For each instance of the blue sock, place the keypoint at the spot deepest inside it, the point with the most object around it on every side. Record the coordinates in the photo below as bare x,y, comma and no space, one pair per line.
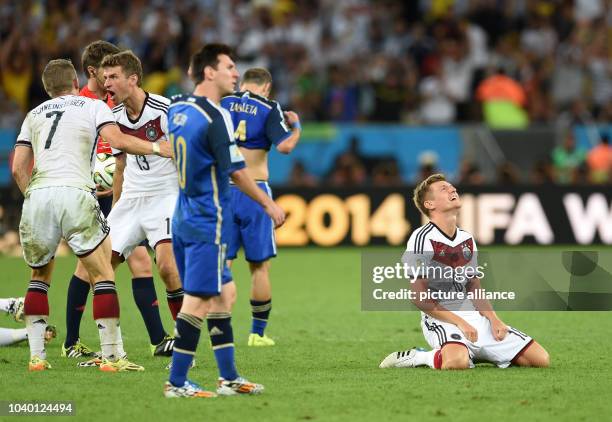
222,340
188,329
146,300
78,290
261,313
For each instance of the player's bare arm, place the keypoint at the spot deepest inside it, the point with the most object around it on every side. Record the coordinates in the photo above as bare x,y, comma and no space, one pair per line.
22,160
432,308
498,327
133,145
246,184
291,142
118,177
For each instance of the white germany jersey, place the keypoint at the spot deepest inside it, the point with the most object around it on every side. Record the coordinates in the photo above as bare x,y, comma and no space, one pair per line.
448,263
62,133
147,175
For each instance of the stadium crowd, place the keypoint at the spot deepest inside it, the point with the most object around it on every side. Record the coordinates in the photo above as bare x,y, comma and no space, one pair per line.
509,63
423,62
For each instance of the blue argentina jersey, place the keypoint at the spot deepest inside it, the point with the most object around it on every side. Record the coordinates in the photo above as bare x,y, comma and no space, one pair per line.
259,122
206,155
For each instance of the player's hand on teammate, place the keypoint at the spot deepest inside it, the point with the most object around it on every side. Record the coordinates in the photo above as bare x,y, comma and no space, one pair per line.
291,117
102,193
468,331
165,149
276,213
499,329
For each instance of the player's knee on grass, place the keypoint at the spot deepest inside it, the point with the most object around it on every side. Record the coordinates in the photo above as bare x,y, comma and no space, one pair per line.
535,356
455,356
139,263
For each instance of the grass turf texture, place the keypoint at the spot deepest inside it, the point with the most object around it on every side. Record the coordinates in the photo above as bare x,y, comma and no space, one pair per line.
325,364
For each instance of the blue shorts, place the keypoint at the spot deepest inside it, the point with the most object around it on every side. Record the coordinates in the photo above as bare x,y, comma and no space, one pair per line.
202,266
252,228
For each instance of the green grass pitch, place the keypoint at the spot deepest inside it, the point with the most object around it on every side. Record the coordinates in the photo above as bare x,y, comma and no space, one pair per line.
325,364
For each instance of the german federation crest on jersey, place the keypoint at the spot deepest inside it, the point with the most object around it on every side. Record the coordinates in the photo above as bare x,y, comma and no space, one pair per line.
147,175
453,256
152,133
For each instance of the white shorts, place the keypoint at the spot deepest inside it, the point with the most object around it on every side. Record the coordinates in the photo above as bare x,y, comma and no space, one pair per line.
133,220
486,349
55,212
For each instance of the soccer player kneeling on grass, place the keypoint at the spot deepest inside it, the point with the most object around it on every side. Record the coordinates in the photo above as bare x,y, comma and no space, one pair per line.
60,136
459,331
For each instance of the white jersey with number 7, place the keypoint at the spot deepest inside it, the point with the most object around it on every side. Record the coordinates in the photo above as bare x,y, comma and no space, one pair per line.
62,133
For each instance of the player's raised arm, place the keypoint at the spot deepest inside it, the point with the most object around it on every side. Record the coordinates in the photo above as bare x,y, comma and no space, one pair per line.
133,145
289,143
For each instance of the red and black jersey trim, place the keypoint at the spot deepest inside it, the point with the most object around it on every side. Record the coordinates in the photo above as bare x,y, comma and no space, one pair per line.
24,143
101,125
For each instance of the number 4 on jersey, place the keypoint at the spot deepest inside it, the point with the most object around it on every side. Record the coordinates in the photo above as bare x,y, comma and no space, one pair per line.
240,132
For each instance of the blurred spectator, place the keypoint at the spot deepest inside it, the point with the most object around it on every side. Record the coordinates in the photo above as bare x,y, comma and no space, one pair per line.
503,99
566,159
386,173
344,61
10,114
348,170
470,175
299,177
437,106
507,174
599,161
428,161
543,172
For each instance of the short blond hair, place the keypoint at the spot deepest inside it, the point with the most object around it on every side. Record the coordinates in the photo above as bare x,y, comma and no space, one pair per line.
258,76
58,76
128,61
420,192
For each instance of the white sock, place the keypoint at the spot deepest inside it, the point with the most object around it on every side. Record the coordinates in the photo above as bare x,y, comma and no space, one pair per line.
11,336
120,352
5,304
110,337
425,358
36,325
